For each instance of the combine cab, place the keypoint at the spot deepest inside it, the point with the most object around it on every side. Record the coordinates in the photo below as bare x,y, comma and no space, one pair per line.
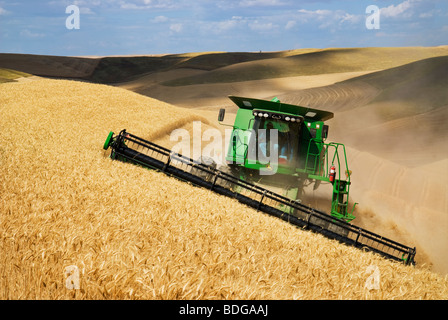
283,145
278,145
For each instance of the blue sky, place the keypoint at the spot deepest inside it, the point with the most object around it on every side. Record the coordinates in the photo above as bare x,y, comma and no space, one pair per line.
125,27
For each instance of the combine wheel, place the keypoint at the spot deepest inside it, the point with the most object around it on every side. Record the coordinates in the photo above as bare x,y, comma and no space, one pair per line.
108,140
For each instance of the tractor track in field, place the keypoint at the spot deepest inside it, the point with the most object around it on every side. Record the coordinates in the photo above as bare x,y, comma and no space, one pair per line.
397,181
335,97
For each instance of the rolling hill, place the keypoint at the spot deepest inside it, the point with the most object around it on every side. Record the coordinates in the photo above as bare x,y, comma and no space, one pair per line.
406,102
307,63
49,66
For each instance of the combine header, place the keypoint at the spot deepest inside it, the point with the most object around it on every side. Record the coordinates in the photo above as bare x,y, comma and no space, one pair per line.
303,158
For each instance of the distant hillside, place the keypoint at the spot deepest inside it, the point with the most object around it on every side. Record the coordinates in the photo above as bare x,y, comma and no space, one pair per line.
121,68
49,66
312,63
422,85
212,61
118,69
409,103
220,67
126,68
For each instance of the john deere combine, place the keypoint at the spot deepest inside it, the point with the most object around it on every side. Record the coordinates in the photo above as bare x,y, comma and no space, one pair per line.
283,145
272,145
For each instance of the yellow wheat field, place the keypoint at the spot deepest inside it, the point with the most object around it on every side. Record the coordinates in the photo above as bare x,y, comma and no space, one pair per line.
137,234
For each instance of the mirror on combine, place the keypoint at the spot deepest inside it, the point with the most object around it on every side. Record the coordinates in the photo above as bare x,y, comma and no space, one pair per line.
325,132
221,115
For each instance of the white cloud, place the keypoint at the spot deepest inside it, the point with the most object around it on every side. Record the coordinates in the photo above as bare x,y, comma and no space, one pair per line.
147,4
350,18
131,6
328,18
430,14
226,25
290,24
3,12
259,3
29,34
160,19
398,10
317,12
84,3
176,27
425,15
85,10
261,26
220,27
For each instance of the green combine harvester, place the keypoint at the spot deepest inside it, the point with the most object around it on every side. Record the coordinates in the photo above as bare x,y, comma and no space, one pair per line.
273,146
302,155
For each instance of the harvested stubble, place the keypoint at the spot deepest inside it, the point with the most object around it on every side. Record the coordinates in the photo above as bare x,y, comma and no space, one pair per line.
137,234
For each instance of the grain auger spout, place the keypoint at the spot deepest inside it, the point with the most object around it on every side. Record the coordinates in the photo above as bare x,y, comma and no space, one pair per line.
130,148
